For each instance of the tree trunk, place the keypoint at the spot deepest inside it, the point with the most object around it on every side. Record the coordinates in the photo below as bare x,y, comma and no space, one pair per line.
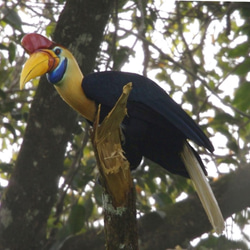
33,186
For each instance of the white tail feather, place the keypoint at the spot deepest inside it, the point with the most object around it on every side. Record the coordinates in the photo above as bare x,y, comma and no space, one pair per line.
203,189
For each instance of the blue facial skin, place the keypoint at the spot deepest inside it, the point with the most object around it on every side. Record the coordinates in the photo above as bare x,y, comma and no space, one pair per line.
57,74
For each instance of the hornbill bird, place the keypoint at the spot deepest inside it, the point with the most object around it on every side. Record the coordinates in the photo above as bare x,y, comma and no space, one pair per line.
156,127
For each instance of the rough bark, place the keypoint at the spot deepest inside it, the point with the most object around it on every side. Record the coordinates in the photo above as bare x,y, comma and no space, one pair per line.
32,189
185,220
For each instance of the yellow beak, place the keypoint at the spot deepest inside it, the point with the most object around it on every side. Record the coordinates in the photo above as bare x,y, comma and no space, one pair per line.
39,63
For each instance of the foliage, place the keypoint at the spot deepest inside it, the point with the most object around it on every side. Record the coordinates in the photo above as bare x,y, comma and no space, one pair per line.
197,51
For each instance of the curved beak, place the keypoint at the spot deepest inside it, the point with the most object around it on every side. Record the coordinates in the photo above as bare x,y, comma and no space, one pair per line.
40,62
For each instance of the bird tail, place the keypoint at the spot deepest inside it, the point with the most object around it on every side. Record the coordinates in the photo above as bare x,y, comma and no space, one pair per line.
203,189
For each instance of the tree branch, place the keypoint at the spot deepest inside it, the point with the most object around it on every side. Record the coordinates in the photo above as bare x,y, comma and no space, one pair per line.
185,220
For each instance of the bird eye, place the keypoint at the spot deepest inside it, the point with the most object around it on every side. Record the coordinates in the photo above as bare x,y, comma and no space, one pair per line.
57,51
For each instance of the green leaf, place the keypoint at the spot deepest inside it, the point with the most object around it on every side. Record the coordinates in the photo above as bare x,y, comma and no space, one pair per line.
6,167
223,118
50,28
12,18
151,185
2,93
243,68
89,207
76,218
240,50
241,98
12,52
7,107
9,127
216,243
162,199
121,56
232,145
3,47
98,191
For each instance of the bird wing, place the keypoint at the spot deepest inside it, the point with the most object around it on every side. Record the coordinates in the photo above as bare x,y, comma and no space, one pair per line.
106,87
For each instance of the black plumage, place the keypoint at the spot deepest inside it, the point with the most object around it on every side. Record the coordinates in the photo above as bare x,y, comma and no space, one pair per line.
156,127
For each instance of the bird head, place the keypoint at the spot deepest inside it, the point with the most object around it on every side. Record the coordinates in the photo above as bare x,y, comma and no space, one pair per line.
61,69
46,57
